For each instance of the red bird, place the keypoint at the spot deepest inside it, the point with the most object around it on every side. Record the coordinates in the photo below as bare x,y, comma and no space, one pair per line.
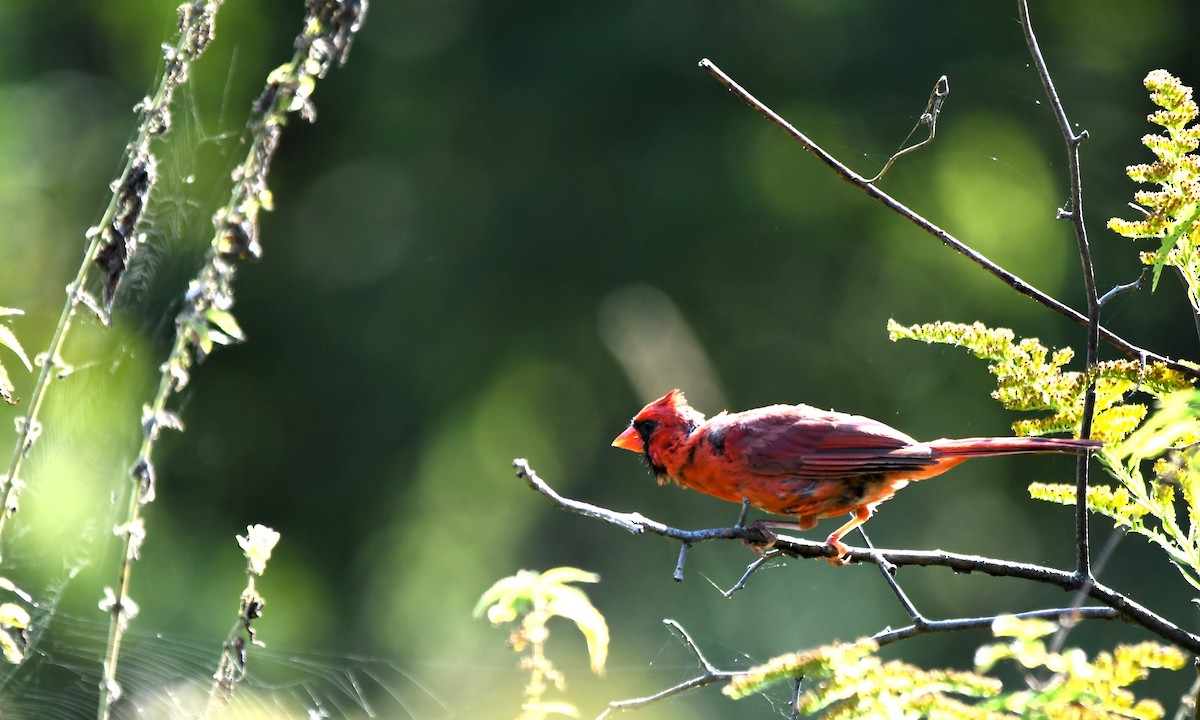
798,460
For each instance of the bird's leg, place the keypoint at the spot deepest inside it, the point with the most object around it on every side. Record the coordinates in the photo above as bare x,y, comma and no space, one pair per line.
861,515
761,526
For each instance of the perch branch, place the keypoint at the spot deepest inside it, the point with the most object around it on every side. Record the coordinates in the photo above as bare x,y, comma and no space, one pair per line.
1125,607
1016,283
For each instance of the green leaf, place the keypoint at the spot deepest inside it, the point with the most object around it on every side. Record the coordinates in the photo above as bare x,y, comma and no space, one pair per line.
546,595
507,592
6,386
1169,241
1174,422
562,575
572,604
819,663
9,340
226,323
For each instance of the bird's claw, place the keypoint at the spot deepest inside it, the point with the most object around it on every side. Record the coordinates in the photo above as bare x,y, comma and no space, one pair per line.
841,558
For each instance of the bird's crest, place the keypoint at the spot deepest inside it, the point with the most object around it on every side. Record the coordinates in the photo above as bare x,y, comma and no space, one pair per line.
674,399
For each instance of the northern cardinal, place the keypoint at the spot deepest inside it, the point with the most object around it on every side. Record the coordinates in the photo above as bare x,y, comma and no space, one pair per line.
801,461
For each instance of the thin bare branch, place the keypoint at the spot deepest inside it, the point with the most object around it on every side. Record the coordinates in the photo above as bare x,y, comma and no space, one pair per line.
1127,287
683,552
1187,704
750,570
1016,283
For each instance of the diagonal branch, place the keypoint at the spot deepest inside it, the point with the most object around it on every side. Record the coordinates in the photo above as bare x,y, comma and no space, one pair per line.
1016,283
888,571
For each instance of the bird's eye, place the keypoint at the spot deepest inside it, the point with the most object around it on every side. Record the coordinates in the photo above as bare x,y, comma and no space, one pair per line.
645,427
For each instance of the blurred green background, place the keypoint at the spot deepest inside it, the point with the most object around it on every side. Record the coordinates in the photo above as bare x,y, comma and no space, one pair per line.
511,226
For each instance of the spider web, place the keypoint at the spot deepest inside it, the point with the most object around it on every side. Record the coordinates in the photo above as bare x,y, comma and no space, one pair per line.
167,677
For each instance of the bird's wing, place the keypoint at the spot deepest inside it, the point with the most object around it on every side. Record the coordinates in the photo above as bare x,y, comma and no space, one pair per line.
807,443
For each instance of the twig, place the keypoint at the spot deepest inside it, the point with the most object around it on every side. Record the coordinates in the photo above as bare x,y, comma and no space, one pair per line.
750,570
889,575
741,521
1187,704
922,625
683,551
1121,289
1106,553
958,624
711,675
1126,608
941,90
946,238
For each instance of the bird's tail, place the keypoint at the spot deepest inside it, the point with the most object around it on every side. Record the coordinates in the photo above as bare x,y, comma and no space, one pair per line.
983,447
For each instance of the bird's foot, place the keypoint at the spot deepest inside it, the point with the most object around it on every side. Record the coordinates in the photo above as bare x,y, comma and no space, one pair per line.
836,543
762,527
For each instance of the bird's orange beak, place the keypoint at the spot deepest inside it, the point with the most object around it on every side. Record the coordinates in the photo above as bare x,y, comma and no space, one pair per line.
629,440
